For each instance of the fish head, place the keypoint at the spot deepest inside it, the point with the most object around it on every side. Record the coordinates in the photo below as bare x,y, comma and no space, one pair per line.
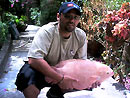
105,72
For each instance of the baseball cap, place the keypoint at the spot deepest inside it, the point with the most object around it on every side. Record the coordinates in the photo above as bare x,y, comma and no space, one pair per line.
67,6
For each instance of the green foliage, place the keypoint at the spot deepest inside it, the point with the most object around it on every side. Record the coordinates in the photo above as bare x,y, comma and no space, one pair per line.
93,12
35,15
114,4
109,30
3,32
20,22
9,17
49,9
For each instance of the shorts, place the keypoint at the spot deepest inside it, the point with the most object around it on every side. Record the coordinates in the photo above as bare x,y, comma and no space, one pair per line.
28,76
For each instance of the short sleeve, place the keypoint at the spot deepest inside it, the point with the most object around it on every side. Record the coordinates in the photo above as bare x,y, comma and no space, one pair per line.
82,50
41,43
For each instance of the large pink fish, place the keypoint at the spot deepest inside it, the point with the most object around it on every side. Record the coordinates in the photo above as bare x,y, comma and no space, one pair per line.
86,71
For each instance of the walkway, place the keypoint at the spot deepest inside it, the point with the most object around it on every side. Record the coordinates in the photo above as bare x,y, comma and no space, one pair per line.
108,89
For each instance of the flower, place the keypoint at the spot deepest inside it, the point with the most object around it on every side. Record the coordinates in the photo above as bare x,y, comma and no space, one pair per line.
127,82
114,32
17,0
117,24
121,29
12,5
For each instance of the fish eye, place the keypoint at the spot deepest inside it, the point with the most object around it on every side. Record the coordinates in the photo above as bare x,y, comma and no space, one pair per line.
107,72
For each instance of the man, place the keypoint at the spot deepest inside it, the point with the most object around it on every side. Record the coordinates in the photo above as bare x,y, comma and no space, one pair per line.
54,42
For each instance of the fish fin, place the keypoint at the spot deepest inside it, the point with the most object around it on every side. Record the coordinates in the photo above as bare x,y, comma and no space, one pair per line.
93,79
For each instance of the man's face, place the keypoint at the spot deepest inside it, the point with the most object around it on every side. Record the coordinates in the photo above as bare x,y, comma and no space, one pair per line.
69,21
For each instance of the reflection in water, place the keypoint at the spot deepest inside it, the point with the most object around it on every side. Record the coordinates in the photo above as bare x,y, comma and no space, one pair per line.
13,65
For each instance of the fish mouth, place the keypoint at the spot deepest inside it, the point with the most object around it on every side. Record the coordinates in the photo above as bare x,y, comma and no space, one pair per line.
112,73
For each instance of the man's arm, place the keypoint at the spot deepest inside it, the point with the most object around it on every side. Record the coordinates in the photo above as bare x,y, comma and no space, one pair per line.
42,66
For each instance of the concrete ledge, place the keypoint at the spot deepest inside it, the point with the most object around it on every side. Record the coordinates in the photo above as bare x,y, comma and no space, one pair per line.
4,53
108,89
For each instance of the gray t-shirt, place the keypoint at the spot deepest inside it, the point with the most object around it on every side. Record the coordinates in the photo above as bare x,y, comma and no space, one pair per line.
49,45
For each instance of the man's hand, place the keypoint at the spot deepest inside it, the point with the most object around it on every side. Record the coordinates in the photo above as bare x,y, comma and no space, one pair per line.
66,83
96,84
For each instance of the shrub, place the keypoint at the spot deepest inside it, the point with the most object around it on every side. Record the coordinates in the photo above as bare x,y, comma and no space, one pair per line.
3,32
109,26
20,22
116,33
35,15
49,9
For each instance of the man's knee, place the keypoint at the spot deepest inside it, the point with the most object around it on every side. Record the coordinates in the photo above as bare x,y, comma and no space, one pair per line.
31,92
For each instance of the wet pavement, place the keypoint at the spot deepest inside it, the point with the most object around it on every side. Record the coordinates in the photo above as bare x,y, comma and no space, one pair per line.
17,56
7,87
16,59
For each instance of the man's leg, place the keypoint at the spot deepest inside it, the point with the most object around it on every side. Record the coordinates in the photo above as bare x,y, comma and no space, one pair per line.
55,92
29,81
31,92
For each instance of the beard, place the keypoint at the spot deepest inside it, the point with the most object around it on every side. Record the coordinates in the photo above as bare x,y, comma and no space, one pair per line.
70,27
67,27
